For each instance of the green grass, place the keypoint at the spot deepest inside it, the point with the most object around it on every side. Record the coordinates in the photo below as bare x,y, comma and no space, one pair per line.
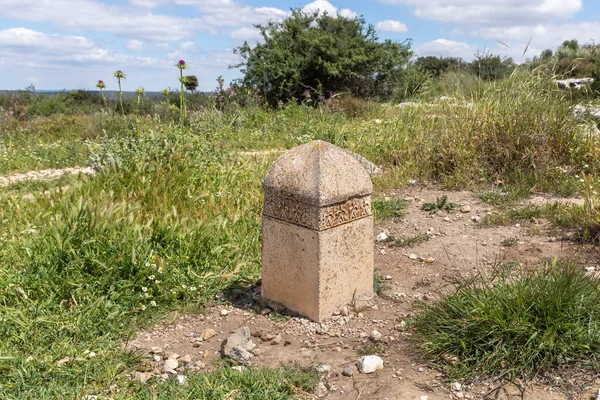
441,204
515,325
175,218
389,208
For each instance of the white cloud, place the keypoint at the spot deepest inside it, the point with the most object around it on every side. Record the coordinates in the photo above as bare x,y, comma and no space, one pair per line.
445,48
187,45
323,6
245,35
96,16
492,12
135,45
391,26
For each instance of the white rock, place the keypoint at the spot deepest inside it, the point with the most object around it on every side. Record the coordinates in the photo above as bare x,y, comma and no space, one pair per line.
181,379
239,368
224,312
381,237
457,387
369,364
424,398
170,365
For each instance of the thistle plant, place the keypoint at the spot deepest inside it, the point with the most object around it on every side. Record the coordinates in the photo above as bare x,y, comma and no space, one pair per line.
182,109
101,85
120,75
140,91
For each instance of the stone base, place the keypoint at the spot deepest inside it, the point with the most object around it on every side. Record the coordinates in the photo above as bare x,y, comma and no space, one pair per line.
316,273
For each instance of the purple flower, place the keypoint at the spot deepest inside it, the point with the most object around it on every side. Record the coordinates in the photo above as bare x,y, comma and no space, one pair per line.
100,81
229,91
307,92
181,62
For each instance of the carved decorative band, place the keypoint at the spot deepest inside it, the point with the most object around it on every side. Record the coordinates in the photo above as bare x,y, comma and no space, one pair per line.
288,209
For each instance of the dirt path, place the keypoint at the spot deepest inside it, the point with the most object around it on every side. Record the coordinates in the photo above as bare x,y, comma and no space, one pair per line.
458,245
43,174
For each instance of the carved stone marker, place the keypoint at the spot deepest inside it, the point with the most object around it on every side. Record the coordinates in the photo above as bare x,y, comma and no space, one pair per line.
317,253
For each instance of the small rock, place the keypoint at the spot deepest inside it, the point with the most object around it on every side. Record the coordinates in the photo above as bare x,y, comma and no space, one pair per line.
424,398
412,256
401,325
430,260
465,209
447,219
276,340
349,370
345,311
240,338
157,358
388,278
267,337
324,368
459,395
321,390
375,336
224,312
140,377
207,334
186,359
156,350
256,352
382,237
170,366
475,218
63,362
239,368
456,387
240,355
265,311
181,379
173,356
369,364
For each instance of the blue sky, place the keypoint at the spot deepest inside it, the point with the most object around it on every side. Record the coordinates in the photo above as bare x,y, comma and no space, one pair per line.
70,44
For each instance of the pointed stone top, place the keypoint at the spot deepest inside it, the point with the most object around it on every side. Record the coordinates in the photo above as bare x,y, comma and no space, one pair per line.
318,173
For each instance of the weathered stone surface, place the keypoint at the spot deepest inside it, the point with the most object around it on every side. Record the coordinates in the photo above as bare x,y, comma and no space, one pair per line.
317,230
238,346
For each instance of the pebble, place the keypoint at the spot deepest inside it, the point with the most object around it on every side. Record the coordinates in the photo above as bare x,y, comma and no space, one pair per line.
140,377
239,368
465,209
375,336
349,370
181,379
412,256
475,218
276,340
208,333
224,312
381,237
157,358
424,398
369,364
457,387
345,311
170,366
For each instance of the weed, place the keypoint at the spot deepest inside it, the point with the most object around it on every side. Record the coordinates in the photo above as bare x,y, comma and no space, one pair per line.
515,324
441,204
380,349
389,208
509,242
379,284
408,241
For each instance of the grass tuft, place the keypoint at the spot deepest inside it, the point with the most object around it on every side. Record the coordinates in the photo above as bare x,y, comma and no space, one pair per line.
515,324
389,208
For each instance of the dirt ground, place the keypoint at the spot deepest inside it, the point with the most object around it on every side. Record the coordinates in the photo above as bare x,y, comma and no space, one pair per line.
458,245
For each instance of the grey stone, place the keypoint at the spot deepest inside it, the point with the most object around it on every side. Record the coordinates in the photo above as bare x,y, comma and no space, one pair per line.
349,370
238,346
170,366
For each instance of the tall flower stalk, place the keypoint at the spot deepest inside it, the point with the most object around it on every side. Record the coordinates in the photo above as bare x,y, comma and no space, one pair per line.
182,109
139,92
101,85
120,75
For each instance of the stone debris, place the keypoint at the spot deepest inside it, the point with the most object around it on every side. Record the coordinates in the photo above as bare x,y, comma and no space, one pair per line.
349,370
140,377
181,379
170,366
321,390
375,336
207,334
238,346
382,237
369,364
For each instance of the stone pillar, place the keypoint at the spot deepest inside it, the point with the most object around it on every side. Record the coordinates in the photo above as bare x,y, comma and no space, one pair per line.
317,253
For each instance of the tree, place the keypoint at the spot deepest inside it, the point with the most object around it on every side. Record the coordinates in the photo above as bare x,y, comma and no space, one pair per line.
488,66
436,66
317,54
191,83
